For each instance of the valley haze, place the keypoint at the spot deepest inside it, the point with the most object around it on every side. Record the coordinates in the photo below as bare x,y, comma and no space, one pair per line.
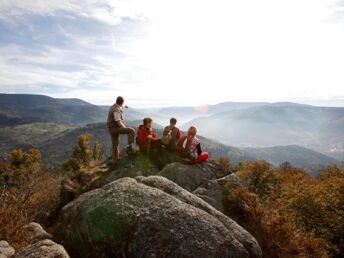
304,135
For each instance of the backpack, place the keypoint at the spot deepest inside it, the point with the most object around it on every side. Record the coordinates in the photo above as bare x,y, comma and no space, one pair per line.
167,135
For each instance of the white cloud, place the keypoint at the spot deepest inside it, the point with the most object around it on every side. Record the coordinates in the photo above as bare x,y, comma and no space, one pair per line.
245,50
191,52
107,11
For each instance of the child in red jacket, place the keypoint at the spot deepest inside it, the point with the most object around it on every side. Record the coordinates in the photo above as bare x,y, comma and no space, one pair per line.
146,138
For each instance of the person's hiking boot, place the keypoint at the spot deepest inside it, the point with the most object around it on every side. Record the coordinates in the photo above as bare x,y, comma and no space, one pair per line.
129,150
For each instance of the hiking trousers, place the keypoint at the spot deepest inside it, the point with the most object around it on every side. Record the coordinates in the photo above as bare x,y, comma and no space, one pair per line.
115,132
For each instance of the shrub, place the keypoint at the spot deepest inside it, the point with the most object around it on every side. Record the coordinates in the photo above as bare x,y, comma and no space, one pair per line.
82,151
17,158
276,234
84,154
224,162
258,177
97,153
319,208
27,193
290,213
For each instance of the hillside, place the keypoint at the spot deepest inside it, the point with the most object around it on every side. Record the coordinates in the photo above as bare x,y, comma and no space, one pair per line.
28,135
41,108
296,155
58,149
187,113
53,124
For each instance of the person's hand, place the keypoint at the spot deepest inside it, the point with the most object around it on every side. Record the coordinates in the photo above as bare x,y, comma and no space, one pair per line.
149,137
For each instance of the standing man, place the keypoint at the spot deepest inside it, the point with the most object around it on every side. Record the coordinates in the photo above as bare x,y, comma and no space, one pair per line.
116,126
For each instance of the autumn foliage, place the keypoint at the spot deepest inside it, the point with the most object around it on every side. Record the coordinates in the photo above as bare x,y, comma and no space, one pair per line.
289,213
27,193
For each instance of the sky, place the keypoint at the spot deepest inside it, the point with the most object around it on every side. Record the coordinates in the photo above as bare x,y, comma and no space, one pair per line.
180,52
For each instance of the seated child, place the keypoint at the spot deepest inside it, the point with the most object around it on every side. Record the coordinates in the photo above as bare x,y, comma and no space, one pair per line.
145,135
189,147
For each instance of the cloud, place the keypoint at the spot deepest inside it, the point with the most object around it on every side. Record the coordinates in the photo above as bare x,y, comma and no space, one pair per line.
161,52
338,11
57,55
107,11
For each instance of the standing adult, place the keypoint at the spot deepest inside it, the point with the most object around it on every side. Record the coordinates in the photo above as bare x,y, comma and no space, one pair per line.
116,126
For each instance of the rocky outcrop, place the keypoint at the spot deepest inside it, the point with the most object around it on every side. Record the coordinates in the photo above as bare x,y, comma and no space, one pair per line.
150,217
191,177
43,249
39,247
34,232
134,166
6,250
173,189
213,191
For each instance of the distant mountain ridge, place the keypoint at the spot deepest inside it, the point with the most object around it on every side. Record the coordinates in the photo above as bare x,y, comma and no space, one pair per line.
41,108
296,155
318,128
53,124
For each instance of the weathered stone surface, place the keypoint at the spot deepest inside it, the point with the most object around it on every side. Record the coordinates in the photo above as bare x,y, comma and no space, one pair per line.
231,180
192,176
173,189
138,165
43,249
213,191
35,232
6,250
149,217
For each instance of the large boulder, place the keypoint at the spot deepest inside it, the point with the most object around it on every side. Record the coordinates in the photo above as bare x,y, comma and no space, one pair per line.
43,249
173,189
149,217
192,176
6,250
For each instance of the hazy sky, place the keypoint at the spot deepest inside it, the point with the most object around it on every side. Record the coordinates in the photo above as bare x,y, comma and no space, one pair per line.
180,52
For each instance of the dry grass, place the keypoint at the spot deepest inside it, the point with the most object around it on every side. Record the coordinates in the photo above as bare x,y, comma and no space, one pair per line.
25,197
276,234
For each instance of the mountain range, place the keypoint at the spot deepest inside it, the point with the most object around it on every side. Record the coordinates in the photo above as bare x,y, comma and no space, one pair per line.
39,108
317,128
306,136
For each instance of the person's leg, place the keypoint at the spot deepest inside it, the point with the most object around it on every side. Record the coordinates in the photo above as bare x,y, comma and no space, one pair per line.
115,143
130,132
202,157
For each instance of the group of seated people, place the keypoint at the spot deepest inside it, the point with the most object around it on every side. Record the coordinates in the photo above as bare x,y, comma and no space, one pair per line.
187,148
